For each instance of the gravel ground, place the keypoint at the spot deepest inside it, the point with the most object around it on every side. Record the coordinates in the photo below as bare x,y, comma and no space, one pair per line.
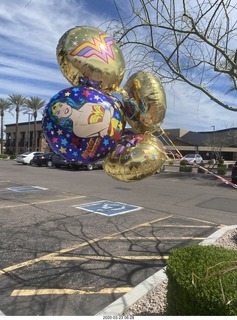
153,303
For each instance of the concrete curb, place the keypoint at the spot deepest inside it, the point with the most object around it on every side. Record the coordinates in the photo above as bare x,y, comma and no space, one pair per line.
119,306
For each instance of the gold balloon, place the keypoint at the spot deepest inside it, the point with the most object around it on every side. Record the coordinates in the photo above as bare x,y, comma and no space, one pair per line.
136,157
86,52
145,102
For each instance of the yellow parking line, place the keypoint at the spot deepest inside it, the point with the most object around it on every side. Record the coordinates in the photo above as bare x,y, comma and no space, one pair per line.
77,246
34,292
103,258
159,238
41,202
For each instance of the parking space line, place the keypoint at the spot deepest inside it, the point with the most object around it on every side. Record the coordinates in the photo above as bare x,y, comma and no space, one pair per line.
77,246
34,292
40,202
158,238
107,258
183,226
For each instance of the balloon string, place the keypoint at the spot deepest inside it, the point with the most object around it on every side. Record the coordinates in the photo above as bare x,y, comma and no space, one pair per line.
165,136
177,154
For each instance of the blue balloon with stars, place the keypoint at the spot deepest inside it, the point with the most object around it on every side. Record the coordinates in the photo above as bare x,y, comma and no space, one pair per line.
83,124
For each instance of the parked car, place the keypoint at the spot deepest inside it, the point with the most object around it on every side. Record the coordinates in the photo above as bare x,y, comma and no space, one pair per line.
26,158
89,166
192,158
58,161
44,159
234,173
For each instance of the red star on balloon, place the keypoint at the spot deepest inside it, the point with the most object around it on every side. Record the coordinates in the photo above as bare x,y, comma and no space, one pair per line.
86,93
75,141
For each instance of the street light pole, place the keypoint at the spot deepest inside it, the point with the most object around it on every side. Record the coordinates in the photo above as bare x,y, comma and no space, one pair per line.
214,138
28,131
30,113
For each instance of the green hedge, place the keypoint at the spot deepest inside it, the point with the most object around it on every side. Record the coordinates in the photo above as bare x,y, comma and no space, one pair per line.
202,280
185,168
221,169
4,156
200,170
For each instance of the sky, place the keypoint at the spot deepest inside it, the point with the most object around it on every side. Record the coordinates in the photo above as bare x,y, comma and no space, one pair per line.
29,34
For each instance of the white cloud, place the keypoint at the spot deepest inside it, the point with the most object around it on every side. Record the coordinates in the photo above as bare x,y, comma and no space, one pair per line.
190,109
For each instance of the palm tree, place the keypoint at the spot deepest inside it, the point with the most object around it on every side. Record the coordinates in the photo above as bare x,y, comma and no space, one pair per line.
34,104
4,105
17,101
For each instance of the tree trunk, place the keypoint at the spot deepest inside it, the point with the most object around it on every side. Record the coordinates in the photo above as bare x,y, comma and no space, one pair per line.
34,135
17,138
2,115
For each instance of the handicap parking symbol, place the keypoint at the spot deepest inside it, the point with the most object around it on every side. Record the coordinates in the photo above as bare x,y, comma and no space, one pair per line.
108,208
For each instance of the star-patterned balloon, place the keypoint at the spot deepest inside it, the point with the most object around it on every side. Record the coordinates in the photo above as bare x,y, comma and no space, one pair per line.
83,124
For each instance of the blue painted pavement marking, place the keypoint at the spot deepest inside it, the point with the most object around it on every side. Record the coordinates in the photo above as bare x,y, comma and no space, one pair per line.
26,188
108,208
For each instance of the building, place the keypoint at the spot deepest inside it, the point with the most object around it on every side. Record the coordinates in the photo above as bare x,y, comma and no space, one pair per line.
209,144
25,139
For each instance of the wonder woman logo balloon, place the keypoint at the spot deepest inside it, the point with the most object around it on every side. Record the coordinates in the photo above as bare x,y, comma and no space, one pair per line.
101,48
88,53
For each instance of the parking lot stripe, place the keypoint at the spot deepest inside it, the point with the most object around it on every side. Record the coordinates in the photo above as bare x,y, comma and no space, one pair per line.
34,292
183,226
108,258
158,238
77,246
41,202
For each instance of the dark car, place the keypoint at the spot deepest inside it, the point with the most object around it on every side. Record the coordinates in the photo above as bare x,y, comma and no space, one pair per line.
58,161
44,159
234,173
89,166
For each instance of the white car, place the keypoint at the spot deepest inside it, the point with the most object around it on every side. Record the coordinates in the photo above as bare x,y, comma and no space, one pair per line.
192,158
26,158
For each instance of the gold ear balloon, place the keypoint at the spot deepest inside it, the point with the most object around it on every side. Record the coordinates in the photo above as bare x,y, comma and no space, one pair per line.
86,53
145,102
136,157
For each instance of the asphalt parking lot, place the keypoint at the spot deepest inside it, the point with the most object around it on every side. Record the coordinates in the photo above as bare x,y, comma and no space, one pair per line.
74,242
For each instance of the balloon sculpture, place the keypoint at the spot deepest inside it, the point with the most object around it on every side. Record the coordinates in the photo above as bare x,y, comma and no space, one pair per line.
86,121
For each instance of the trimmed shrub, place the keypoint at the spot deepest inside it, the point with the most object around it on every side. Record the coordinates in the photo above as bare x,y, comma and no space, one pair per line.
200,170
4,156
185,167
202,280
183,162
221,169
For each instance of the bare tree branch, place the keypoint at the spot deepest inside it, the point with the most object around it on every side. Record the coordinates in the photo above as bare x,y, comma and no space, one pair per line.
193,42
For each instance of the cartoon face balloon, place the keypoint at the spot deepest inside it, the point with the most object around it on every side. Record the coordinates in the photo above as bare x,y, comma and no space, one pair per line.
86,53
145,103
136,157
82,124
